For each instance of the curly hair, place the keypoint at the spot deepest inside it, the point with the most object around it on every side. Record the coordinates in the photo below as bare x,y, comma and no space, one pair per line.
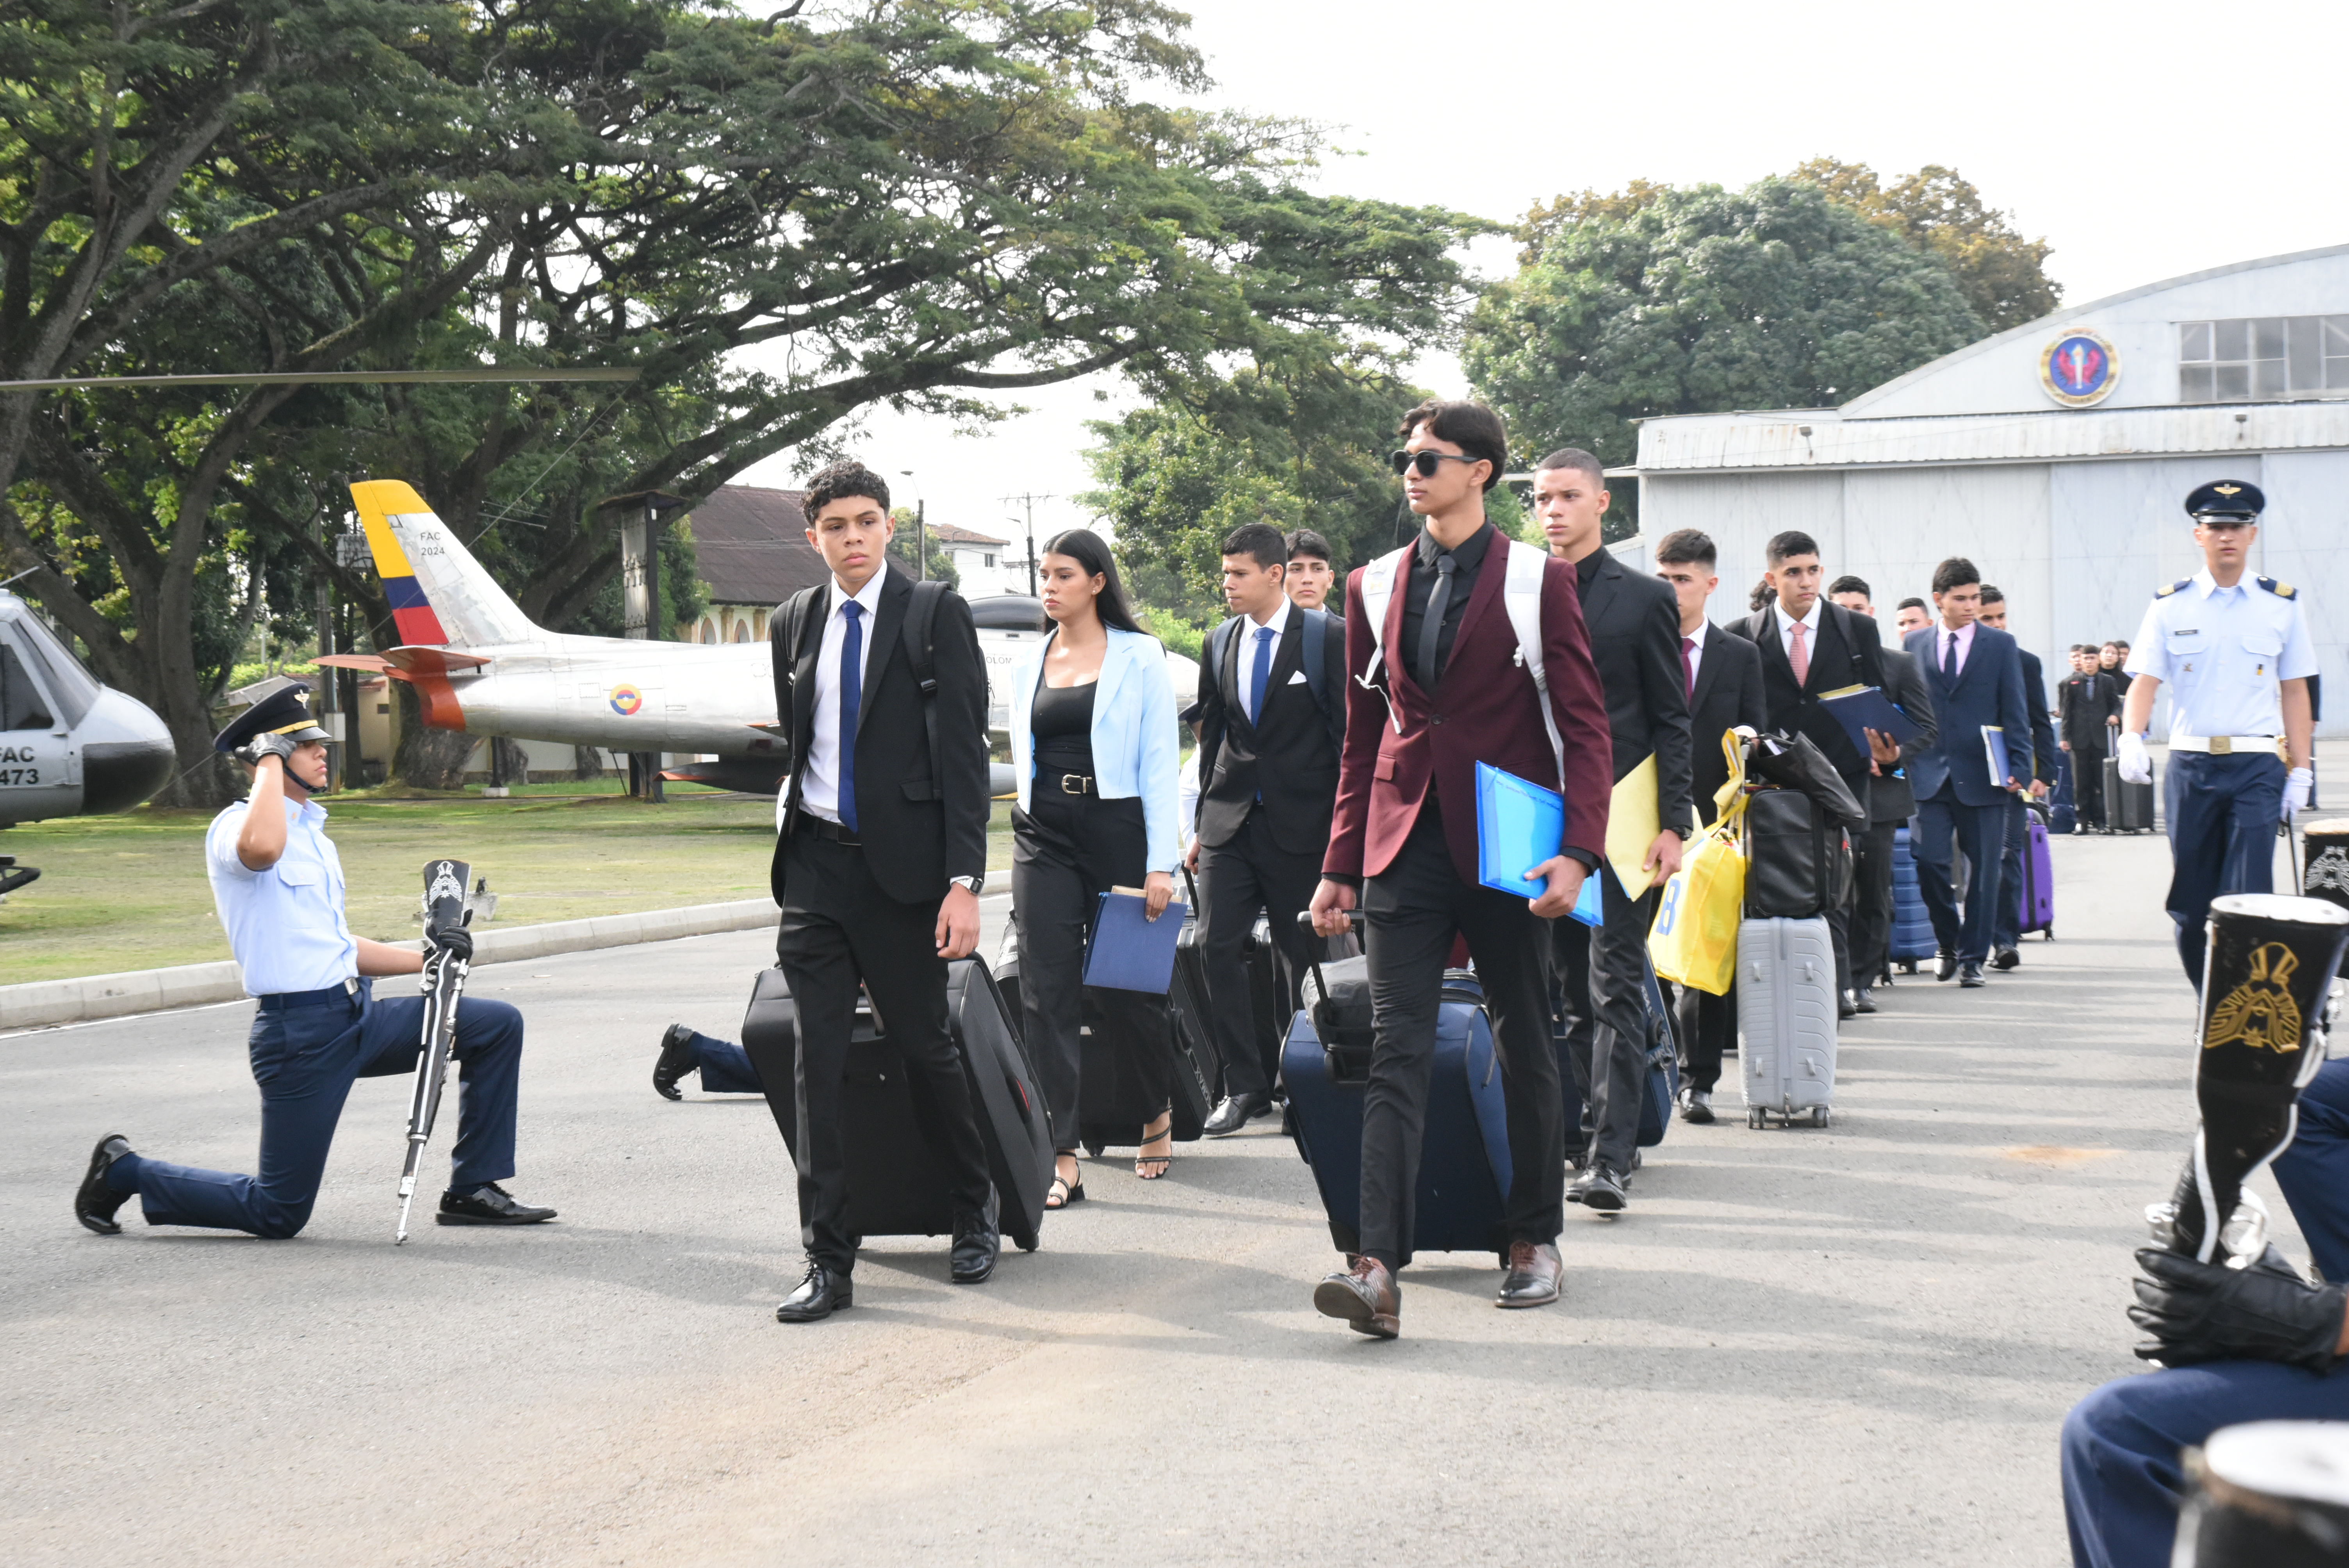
844,478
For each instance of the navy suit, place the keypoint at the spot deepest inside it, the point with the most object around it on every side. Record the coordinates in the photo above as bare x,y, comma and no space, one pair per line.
1957,799
2009,925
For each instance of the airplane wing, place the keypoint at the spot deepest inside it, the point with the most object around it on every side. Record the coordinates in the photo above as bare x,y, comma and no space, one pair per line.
407,661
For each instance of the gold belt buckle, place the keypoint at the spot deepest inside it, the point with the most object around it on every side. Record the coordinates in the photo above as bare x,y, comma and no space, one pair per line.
2222,745
1078,779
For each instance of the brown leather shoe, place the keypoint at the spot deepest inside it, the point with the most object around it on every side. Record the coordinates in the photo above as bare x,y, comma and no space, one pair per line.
1533,1277
1364,1296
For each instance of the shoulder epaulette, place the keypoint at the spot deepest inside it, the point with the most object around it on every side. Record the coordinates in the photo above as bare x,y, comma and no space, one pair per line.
2164,593
2280,590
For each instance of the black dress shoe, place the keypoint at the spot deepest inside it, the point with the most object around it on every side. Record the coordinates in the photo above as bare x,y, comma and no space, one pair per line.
2005,958
94,1203
976,1245
489,1204
1235,1111
1945,964
1847,1005
821,1293
1969,976
676,1061
1863,1000
1532,1276
1601,1188
1696,1105
1364,1297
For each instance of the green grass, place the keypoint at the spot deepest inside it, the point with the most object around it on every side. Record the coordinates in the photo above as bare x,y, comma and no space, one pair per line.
128,891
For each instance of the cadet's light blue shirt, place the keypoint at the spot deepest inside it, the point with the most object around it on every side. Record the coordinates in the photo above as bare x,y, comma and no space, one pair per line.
285,924
2221,652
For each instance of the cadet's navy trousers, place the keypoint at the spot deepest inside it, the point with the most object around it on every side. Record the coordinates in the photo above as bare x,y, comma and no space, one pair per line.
2222,815
725,1067
2122,1480
305,1060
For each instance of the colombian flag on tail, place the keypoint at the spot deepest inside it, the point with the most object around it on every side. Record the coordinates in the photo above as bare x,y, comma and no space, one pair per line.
377,501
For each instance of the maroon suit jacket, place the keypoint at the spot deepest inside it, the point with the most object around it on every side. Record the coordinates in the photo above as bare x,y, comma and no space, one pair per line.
1485,709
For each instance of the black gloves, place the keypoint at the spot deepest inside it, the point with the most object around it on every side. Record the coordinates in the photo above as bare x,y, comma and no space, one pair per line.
2200,1312
261,746
454,941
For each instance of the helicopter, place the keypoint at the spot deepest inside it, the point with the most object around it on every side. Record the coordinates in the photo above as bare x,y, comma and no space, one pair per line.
70,746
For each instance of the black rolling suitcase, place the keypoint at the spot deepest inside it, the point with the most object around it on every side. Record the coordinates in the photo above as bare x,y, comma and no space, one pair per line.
894,1185
2129,808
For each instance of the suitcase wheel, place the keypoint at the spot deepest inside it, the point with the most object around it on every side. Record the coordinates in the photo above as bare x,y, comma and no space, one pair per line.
1819,1117
1753,1119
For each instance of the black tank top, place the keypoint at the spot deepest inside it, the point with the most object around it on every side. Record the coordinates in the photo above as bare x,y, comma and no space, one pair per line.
1063,725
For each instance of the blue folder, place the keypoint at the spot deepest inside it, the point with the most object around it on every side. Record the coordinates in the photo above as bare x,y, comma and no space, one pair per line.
1128,951
1994,742
1521,824
1869,708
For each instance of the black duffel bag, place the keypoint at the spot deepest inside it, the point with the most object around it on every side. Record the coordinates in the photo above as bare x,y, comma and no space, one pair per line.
1798,859
1796,762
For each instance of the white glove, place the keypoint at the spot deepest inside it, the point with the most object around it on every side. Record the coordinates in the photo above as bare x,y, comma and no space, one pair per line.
2137,762
2296,786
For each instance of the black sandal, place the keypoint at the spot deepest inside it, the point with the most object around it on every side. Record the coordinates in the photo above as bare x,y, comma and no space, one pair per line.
1068,1192
1166,1162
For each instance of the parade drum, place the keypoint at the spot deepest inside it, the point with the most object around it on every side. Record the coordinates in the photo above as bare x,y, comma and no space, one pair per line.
2325,868
2267,982
2269,1494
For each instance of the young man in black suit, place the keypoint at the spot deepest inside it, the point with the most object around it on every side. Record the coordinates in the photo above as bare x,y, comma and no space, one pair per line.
1810,647
2087,703
2005,953
1723,677
878,862
1269,732
1891,802
1634,624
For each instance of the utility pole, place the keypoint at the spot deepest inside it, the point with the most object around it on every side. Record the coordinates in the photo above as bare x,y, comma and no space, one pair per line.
921,536
1028,508
330,718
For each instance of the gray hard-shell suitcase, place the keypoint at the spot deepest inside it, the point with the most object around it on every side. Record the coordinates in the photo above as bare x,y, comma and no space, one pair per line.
1786,1016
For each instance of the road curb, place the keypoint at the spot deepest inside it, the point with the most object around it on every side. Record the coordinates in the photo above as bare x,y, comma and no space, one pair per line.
88,997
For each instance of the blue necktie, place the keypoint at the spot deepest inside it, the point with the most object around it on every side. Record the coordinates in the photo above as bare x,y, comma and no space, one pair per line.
1261,675
852,695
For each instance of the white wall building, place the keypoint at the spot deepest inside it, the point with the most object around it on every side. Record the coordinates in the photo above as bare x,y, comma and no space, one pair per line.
2056,457
984,564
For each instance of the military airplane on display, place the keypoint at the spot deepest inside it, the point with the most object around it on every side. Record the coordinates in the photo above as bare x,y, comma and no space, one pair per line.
68,746
479,663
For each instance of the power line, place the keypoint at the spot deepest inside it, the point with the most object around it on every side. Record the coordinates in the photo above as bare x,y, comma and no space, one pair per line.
337,377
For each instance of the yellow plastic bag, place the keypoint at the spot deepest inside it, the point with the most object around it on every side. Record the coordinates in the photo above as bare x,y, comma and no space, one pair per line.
1694,940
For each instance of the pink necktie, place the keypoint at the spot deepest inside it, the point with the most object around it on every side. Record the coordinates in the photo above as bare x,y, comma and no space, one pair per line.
1798,655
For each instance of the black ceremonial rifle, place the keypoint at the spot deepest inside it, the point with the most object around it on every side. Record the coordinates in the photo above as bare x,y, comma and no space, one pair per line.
444,982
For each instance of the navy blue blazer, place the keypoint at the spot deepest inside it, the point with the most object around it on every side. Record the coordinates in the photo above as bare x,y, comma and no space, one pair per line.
1989,690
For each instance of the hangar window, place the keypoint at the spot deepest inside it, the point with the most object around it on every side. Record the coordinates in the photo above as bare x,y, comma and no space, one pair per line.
2261,358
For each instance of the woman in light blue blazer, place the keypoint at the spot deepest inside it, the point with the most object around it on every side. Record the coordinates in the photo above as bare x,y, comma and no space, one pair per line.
1094,747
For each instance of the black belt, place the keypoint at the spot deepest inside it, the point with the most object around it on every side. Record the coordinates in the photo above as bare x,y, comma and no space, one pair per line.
1073,784
287,1001
824,827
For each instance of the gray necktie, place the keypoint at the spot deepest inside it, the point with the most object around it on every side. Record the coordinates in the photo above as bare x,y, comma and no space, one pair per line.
1432,628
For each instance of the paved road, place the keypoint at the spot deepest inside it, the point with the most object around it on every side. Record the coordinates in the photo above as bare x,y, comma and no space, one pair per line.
1848,1346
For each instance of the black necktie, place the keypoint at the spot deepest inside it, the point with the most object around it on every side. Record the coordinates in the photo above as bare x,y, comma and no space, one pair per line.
1432,628
1949,659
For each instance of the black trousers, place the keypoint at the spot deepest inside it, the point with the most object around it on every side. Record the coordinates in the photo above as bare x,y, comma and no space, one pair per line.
2089,786
1602,976
1871,914
1251,872
1065,853
1704,1027
838,929
1415,907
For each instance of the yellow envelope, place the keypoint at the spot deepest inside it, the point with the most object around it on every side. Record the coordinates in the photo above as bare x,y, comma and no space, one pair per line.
1632,824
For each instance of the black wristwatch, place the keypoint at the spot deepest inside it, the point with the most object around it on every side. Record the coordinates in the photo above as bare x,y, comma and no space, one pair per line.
973,884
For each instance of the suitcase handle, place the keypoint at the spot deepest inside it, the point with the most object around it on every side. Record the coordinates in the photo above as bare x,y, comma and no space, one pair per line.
1355,921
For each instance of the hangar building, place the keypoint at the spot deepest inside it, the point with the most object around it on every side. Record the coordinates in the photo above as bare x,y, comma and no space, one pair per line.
2056,457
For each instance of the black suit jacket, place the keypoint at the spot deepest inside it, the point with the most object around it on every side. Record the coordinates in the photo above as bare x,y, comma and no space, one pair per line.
1728,693
1893,799
1286,756
1635,641
2086,702
922,819
1849,652
2042,728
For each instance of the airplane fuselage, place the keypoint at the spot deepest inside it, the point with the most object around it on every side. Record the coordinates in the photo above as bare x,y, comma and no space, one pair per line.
624,695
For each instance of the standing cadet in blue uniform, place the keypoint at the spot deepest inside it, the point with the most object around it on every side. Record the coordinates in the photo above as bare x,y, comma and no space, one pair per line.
2237,656
278,884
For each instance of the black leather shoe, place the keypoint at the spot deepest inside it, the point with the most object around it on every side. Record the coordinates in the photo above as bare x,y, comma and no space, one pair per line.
1532,1276
1863,1000
1945,964
2005,958
1601,1188
1847,1005
1235,1111
489,1204
821,1293
1364,1297
1969,976
1696,1105
676,1061
94,1203
976,1245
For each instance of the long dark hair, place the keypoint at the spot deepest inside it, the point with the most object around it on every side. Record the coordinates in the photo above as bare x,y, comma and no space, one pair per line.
1085,547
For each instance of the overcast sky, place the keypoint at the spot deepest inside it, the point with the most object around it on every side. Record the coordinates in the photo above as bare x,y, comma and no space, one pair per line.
2142,140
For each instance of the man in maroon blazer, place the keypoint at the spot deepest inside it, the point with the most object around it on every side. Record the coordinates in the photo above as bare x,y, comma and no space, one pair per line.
1452,690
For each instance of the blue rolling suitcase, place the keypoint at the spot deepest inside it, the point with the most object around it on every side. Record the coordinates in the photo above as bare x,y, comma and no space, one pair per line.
1464,1168
1660,1091
1912,928
2063,801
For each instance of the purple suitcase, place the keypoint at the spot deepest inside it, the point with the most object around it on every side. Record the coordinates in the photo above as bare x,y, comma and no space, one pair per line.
2036,893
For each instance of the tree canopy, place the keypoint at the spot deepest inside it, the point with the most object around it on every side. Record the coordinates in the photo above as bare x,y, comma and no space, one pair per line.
1939,210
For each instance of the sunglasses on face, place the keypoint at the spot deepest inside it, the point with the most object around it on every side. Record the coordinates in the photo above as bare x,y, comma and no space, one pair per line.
1424,462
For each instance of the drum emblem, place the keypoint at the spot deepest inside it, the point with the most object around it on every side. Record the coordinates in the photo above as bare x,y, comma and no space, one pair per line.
2259,1013
2329,871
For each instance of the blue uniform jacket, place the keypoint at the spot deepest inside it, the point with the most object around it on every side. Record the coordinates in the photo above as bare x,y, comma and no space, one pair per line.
1989,690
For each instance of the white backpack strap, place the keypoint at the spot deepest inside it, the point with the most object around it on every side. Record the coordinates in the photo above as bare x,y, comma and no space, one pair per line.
1380,578
1521,593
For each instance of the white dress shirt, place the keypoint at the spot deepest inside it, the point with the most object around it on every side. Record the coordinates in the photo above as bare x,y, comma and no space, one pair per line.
820,787
1810,630
285,924
1278,625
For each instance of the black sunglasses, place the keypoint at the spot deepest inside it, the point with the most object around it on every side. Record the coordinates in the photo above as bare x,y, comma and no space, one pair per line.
1425,462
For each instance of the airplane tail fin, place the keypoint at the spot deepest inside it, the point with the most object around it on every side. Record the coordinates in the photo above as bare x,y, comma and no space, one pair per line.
439,595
